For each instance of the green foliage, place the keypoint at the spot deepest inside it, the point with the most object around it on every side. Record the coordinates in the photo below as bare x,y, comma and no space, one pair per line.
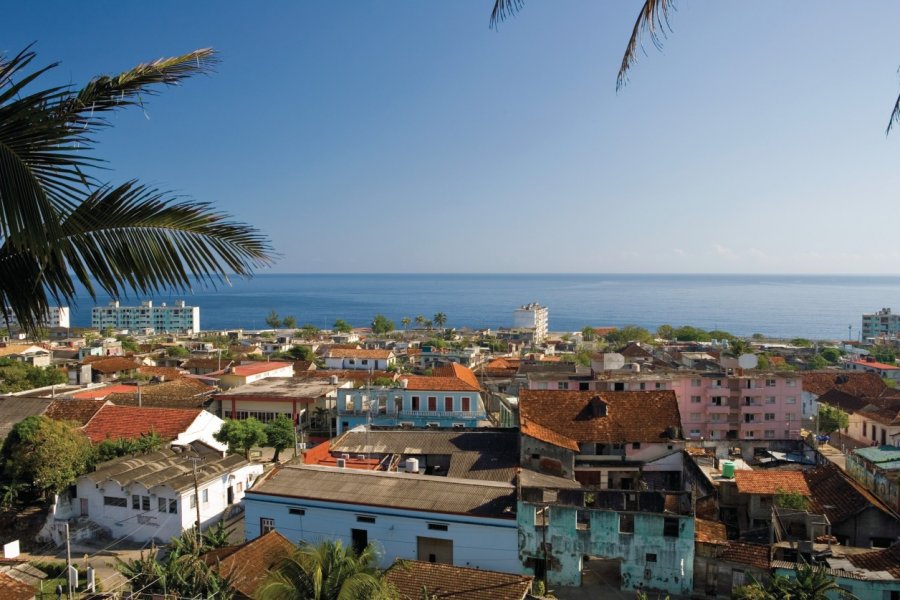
832,355
758,336
242,435
381,325
289,322
342,326
832,419
494,344
178,352
795,500
273,320
884,354
436,343
48,454
308,331
737,347
808,583
753,591
440,319
818,362
327,571
628,333
129,344
718,334
801,343
420,321
279,434
110,449
17,376
665,332
686,333
588,334
889,382
383,382
762,362
300,352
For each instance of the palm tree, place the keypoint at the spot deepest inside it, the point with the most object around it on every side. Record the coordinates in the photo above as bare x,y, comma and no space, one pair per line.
405,321
420,320
327,571
652,20
440,319
60,225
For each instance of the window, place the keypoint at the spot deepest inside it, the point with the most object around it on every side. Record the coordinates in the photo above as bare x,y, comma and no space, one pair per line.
716,417
448,404
650,557
659,386
437,526
642,386
266,525
193,500
751,434
790,382
748,400
205,495
535,457
145,503
695,433
790,400
695,383
415,402
365,519
432,403
749,418
670,527
769,434
696,416
770,399
626,523
173,507
348,404
111,501
771,383
297,511
465,404
163,504
636,446
135,502
695,399
717,400
864,428
562,385
769,416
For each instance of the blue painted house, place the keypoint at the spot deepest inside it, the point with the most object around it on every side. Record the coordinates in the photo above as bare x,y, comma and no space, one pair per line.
451,397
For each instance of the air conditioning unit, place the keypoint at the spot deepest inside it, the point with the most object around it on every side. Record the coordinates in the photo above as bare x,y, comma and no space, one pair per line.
342,463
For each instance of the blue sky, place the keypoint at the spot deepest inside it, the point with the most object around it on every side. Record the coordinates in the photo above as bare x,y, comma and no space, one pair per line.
409,137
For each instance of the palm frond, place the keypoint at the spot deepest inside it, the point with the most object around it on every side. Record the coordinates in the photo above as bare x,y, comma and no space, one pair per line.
503,9
653,20
895,116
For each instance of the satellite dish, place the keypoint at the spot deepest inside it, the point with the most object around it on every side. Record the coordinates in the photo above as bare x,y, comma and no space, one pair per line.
748,361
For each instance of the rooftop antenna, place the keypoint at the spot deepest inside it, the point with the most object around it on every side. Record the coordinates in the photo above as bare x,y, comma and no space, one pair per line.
849,333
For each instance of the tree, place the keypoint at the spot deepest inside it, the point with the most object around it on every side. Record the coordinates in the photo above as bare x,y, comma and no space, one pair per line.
420,321
628,333
832,355
382,325
666,332
653,20
110,449
61,226
884,354
178,351
242,435
308,332
405,321
818,362
289,322
17,376
327,571
785,499
48,454
737,347
440,319
588,334
832,419
801,343
273,320
129,344
279,434
342,326
300,352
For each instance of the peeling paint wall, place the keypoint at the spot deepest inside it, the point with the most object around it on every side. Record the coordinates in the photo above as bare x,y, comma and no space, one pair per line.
547,458
650,558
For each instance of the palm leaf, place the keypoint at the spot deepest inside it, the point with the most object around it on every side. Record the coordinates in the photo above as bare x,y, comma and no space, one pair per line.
653,20
895,116
503,9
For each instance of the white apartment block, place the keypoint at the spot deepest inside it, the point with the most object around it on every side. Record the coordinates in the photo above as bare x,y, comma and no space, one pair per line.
178,318
57,316
532,316
882,323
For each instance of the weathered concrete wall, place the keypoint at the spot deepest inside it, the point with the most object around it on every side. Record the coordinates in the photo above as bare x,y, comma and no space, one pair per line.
868,524
546,458
650,559
863,590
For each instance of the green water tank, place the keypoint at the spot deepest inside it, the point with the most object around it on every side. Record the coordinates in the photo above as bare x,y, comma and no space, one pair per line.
728,469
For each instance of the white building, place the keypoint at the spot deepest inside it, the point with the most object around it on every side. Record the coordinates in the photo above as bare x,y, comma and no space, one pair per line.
359,360
57,316
151,496
532,316
463,522
881,323
178,318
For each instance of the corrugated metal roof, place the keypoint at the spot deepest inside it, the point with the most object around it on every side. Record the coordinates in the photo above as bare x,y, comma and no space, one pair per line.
15,408
392,490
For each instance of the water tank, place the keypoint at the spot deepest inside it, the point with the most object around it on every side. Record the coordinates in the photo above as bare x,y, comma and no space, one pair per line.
728,469
412,465
334,380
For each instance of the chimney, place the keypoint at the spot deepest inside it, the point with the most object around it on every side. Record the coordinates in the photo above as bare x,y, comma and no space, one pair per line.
598,407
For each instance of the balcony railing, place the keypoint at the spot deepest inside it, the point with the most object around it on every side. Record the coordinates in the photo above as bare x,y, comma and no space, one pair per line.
413,413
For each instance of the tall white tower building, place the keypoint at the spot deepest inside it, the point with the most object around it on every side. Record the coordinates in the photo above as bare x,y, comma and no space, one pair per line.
532,316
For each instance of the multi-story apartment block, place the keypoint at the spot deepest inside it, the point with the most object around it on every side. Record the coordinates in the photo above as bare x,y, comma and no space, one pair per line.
178,318
717,406
881,323
57,316
532,316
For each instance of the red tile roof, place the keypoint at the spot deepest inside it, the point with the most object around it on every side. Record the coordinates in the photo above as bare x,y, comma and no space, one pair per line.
247,565
755,555
129,422
630,416
415,579
258,367
458,371
887,560
348,353
836,495
875,365
863,385
446,378
114,364
167,372
78,410
539,432
103,392
712,532
770,483
180,393
13,589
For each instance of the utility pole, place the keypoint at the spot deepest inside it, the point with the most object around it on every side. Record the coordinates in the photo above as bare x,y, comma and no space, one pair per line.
195,460
68,563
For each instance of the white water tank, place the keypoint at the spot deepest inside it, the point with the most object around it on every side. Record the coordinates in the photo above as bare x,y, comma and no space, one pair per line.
412,465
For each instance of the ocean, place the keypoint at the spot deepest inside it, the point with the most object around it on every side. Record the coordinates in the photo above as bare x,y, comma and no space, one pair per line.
811,306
